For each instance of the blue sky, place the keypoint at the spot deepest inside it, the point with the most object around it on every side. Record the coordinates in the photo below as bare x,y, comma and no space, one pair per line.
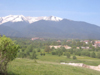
78,10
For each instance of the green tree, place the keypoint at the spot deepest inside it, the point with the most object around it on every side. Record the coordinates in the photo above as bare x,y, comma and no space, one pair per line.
47,49
38,50
74,57
33,55
93,55
71,51
59,52
63,49
98,55
8,52
73,47
68,55
30,48
53,53
22,55
41,53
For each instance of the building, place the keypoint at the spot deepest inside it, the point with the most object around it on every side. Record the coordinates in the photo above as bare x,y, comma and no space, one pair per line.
97,44
59,46
37,38
86,41
58,41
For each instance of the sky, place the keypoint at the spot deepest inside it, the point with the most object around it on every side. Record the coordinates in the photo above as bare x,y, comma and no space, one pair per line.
77,10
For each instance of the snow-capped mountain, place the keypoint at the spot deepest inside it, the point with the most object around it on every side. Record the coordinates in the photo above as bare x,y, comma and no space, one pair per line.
47,27
17,18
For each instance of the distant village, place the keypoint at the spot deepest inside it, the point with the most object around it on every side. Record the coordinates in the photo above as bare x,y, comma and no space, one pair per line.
95,43
37,38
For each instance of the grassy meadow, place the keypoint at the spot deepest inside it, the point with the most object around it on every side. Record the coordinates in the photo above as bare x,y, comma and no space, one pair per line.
80,59
50,65
45,62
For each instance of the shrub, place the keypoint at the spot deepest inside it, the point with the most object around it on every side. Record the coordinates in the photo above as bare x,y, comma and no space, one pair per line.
74,57
53,53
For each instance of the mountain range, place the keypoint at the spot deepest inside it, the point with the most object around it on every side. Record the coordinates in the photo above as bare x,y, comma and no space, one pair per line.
47,27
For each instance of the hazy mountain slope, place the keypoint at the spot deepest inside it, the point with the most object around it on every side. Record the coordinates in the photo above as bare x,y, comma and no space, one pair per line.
53,27
64,28
43,28
5,30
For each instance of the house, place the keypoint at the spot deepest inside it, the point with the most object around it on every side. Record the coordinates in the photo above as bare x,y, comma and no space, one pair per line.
77,47
37,38
34,38
67,47
58,41
56,47
85,47
86,41
68,40
97,44
59,46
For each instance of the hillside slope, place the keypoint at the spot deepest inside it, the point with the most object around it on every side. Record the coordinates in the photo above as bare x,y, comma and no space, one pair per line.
28,67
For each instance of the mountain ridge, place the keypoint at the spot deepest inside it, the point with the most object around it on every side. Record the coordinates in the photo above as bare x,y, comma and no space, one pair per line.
49,28
19,18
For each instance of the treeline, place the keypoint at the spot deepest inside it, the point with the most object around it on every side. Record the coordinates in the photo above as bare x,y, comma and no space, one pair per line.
79,52
29,48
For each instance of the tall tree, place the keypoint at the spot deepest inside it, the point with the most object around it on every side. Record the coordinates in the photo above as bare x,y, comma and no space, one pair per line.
93,55
47,49
8,51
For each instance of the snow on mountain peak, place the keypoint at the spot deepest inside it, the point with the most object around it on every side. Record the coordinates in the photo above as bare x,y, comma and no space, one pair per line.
18,18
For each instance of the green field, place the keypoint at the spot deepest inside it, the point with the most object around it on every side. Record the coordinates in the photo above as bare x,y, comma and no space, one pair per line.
50,65
80,59
28,67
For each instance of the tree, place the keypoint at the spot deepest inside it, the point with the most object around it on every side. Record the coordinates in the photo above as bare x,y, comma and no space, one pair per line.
53,53
98,55
22,55
43,53
68,55
71,51
30,48
93,55
33,55
73,47
8,52
59,52
74,57
38,50
47,49
63,49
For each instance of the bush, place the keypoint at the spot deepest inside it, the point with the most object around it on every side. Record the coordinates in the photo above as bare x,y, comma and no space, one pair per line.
53,53
21,55
41,53
74,57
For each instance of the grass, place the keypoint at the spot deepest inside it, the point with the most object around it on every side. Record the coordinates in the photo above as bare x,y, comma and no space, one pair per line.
80,59
28,67
50,65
